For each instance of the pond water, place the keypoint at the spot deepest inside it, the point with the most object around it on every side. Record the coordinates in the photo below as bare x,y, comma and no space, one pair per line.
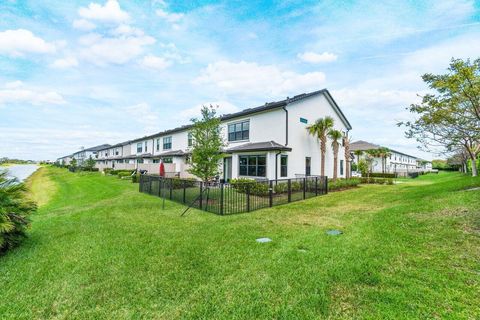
21,171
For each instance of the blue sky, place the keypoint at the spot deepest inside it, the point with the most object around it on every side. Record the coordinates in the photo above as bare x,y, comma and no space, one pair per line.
82,73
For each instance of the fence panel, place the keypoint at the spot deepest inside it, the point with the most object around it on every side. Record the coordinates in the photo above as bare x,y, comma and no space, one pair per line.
225,198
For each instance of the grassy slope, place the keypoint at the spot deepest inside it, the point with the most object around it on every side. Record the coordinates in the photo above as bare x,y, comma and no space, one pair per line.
99,249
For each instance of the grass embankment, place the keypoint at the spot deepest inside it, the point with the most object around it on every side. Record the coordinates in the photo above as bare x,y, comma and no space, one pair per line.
99,249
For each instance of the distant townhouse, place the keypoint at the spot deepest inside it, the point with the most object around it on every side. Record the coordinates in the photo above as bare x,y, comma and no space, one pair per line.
395,162
82,155
65,160
266,142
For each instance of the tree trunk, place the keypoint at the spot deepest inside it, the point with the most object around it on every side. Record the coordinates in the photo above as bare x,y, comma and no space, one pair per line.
474,167
323,147
335,167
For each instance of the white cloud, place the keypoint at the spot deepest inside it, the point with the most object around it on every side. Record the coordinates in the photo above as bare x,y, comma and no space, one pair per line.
313,57
144,115
17,92
108,13
84,25
252,78
168,16
155,63
224,107
64,63
117,50
20,42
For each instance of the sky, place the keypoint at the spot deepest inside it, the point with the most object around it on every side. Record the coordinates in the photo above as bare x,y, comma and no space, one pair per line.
84,73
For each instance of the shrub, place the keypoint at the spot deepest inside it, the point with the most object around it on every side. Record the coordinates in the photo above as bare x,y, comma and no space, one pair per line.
243,185
341,184
123,175
107,170
15,209
136,178
117,172
382,175
376,180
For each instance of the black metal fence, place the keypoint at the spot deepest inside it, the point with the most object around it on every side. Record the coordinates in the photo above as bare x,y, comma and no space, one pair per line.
231,198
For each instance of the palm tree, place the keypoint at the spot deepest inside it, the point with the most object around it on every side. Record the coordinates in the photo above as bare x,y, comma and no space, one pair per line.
320,129
346,148
14,211
358,153
335,136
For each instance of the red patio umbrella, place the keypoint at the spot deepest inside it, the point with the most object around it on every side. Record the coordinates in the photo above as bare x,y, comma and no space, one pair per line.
162,170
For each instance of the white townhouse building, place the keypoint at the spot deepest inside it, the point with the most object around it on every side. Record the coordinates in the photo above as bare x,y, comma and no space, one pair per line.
396,162
65,161
267,142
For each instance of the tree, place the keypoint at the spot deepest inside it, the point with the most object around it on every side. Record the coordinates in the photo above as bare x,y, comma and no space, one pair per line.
335,136
207,144
370,158
14,211
450,118
90,163
73,163
363,167
346,146
383,153
320,129
358,153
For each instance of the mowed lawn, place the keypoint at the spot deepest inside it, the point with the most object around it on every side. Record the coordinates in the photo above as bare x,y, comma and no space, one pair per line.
98,249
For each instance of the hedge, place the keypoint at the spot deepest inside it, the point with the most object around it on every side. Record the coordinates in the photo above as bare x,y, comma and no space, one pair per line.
382,175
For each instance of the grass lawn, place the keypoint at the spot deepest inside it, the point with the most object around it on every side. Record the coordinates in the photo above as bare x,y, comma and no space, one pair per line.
99,249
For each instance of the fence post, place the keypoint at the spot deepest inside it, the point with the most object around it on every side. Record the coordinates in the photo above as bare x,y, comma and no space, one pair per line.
316,186
248,197
171,187
201,194
304,187
149,185
221,199
184,190
140,189
289,184
270,194
159,186
326,185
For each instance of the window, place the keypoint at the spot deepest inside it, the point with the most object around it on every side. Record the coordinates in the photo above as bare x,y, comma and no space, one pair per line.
156,160
341,167
116,152
158,144
190,139
139,160
146,146
167,160
106,153
239,131
139,147
254,166
283,166
167,143
308,163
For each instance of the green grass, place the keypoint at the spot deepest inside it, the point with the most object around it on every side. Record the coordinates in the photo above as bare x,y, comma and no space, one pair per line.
99,249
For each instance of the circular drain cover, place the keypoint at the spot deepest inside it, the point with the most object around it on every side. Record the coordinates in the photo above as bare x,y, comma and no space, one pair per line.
334,232
263,240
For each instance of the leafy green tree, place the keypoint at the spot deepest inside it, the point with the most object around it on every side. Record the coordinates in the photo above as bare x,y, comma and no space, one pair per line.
335,136
90,163
73,163
320,130
15,209
363,167
207,144
449,118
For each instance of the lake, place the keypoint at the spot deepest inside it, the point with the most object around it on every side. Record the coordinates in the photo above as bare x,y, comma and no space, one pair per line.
21,171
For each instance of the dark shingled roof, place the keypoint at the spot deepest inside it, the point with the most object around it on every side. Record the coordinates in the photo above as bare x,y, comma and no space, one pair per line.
172,153
97,148
259,146
266,107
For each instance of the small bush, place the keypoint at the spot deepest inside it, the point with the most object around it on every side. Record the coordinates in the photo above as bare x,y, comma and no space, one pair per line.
243,185
15,209
341,184
123,175
376,181
383,175
136,178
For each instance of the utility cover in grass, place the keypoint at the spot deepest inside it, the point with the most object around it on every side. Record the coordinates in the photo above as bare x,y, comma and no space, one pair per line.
334,232
263,240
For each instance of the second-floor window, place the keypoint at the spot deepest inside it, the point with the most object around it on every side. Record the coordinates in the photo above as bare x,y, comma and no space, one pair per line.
158,144
146,146
139,147
167,143
190,139
116,152
239,131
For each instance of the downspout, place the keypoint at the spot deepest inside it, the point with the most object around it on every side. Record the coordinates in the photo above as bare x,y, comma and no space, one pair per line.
276,164
286,122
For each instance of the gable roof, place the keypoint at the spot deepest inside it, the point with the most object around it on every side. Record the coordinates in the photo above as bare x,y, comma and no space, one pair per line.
268,106
96,148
